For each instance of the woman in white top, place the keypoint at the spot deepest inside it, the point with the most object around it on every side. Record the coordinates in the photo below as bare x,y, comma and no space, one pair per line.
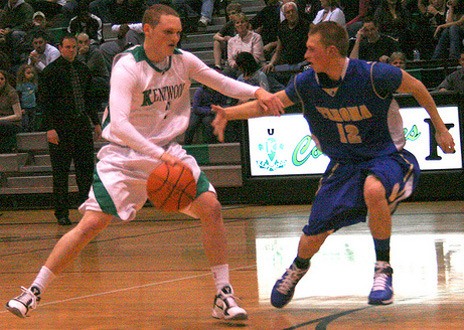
330,12
246,40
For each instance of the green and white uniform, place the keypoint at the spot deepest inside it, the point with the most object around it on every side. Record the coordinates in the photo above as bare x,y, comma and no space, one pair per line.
149,108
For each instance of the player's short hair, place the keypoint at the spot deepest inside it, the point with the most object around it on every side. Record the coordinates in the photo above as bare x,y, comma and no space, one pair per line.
332,34
153,13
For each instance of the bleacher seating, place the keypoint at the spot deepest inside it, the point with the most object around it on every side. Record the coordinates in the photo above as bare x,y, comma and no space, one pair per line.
29,169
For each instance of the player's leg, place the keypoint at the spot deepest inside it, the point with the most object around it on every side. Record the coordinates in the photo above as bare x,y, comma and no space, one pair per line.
208,209
64,252
380,227
392,179
284,288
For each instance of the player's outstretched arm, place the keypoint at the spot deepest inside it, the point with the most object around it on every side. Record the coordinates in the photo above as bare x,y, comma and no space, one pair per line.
270,103
246,110
415,87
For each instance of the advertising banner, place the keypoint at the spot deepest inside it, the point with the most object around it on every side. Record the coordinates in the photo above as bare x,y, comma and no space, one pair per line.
283,145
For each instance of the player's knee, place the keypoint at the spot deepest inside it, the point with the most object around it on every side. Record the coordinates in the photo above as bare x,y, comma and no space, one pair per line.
374,190
207,206
92,225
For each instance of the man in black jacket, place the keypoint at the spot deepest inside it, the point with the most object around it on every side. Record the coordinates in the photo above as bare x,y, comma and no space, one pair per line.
69,113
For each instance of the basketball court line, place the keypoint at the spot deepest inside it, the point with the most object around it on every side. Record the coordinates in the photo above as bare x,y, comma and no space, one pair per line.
137,287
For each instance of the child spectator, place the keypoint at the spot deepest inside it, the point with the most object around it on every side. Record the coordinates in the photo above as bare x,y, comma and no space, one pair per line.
224,34
398,59
26,86
10,114
202,115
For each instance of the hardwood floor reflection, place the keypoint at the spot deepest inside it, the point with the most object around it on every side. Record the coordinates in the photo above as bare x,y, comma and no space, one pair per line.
152,273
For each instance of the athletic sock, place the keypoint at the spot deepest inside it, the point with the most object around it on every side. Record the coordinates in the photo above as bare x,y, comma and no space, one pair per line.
301,263
220,275
382,249
43,279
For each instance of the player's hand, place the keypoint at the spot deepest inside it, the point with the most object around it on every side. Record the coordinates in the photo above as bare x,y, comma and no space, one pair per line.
270,103
220,122
446,142
52,137
170,159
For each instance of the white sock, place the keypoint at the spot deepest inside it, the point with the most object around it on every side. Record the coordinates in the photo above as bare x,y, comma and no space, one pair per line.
220,275
43,279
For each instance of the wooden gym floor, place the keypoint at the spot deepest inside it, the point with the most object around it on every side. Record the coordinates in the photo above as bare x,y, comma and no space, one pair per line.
152,273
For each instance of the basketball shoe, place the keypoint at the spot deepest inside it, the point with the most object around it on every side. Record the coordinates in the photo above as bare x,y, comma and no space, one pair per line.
284,288
225,307
22,304
382,290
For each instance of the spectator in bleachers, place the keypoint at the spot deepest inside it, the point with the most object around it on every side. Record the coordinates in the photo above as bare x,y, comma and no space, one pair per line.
291,45
10,114
395,21
27,86
450,34
398,59
128,35
22,49
431,15
91,56
246,40
250,71
370,45
202,115
266,23
206,11
14,18
54,10
355,23
454,82
330,11
227,31
65,98
88,23
43,53
118,11
307,9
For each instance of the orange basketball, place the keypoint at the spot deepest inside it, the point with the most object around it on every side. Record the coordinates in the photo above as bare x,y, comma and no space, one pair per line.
171,187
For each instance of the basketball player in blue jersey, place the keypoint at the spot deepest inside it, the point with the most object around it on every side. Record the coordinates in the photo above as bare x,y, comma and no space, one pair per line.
149,108
354,120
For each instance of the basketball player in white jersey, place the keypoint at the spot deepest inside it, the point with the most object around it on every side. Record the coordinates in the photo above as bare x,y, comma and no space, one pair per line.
149,107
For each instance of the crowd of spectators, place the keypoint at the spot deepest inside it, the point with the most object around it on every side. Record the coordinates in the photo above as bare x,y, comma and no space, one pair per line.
275,37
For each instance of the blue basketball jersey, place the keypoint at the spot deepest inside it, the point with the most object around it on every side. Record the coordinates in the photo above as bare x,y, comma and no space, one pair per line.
361,119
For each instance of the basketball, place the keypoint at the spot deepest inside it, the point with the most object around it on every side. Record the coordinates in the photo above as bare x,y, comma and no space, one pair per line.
171,187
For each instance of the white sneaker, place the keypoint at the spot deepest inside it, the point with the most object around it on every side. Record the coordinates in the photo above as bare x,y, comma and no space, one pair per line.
26,301
225,307
204,21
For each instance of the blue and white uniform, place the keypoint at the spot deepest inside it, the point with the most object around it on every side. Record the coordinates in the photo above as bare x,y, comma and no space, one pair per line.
149,109
358,126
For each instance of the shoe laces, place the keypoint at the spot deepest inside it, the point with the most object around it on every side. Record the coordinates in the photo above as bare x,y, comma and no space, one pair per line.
228,297
381,276
290,278
28,298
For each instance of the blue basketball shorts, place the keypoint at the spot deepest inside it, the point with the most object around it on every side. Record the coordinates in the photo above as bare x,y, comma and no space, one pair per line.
339,201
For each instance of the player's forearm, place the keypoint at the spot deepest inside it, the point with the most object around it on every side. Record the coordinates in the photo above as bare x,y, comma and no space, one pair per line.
424,98
244,111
